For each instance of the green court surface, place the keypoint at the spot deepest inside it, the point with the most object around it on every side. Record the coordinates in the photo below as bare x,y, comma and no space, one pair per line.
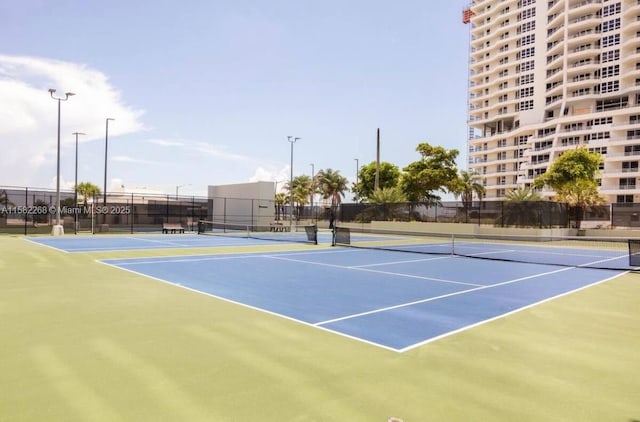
82,341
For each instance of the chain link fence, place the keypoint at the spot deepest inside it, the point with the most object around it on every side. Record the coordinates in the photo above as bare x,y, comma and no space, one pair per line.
28,211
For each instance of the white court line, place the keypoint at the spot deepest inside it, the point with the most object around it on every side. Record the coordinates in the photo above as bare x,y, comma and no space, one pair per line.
403,305
316,325
531,305
45,245
408,261
142,261
208,257
373,271
255,308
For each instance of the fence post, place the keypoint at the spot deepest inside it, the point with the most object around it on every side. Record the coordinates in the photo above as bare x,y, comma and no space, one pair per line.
539,214
26,203
193,210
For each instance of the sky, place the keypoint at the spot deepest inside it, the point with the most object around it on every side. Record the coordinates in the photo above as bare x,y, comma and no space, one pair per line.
206,92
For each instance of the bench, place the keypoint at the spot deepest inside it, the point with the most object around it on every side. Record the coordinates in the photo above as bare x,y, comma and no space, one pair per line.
172,228
277,226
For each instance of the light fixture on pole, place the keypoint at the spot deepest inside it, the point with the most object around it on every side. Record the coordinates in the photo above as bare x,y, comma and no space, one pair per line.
106,147
75,190
180,186
291,181
58,229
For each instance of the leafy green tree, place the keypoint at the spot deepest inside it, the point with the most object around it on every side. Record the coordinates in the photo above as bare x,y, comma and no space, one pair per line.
331,184
435,171
388,178
40,218
4,199
570,167
573,177
88,190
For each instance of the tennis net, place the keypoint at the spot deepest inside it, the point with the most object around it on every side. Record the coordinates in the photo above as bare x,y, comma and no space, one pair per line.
275,232
610,253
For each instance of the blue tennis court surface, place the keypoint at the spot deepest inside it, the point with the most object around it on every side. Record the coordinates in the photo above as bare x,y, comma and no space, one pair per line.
144,242
397,301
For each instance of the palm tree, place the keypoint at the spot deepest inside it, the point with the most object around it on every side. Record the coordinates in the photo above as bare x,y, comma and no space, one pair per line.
87,190
467,184
332,185
520,208
392,200
579,196
523,194
302,191
281,200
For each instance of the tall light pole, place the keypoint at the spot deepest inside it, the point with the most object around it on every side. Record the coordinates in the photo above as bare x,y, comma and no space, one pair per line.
180,186
291,181
357,172
106,147
75,190
313,185
58,229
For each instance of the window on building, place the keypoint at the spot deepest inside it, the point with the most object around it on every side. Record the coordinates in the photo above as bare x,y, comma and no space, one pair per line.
632,150
624,199
611,86
627,183
526,105
609,56
633,134
610,71
610,25
526,52
526,79
612,103
629,166
611,9
527,66
527,39
600,121
527,26
527,14
599,150
610,40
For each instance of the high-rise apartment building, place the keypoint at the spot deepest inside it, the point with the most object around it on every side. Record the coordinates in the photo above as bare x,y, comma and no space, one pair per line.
548,76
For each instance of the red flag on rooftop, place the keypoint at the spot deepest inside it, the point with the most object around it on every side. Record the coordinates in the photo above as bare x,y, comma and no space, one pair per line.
466,15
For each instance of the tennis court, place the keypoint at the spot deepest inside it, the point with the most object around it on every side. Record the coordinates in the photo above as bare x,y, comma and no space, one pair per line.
397,301
305,332
169,241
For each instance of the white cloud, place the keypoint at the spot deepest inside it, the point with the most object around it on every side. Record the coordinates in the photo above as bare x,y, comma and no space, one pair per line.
127,159
280,176
219,152
28,115
166,142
